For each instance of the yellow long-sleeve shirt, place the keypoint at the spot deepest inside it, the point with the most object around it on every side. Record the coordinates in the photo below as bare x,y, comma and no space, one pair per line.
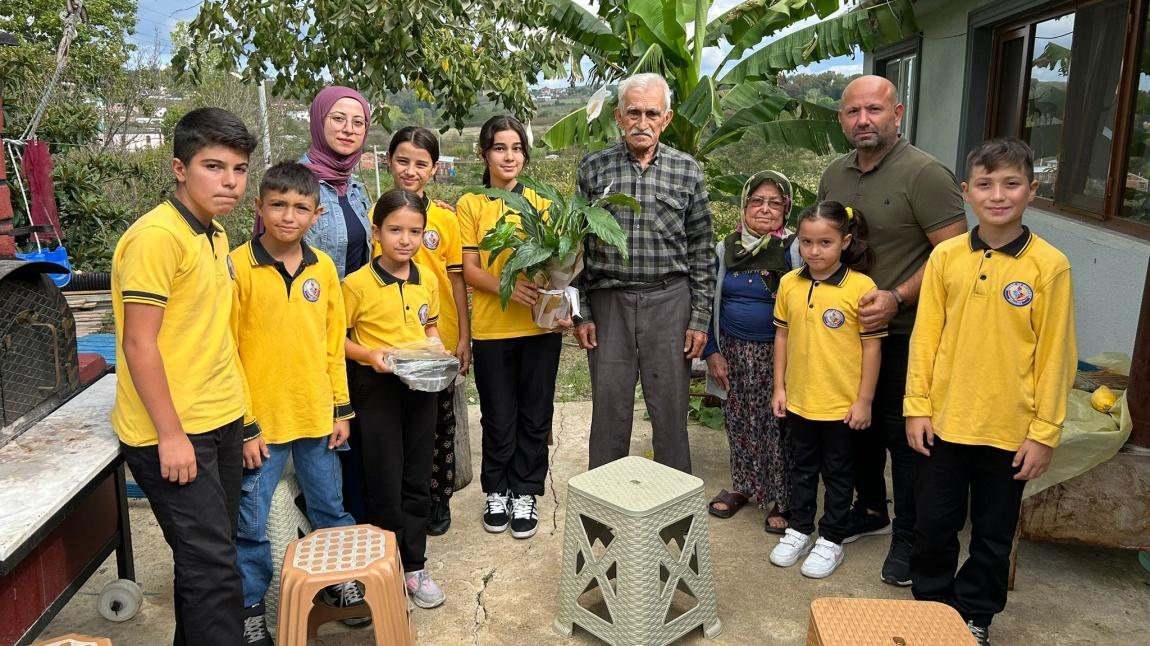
290,334
992,355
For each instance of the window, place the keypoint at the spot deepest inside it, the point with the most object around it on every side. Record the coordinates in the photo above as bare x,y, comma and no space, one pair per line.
899,64
1136,187
1059,82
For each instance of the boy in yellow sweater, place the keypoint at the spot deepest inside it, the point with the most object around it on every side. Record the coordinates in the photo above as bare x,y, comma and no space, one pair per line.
992,360
289,328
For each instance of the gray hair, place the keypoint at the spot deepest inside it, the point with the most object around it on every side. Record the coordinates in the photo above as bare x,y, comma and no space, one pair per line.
642,82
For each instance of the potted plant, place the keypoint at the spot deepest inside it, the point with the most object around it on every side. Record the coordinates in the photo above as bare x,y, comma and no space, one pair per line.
547,246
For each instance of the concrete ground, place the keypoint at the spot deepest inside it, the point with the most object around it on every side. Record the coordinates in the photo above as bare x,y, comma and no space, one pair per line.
502,591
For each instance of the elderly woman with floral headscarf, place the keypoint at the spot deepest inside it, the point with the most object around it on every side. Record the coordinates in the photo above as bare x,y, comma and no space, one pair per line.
740,350
340,118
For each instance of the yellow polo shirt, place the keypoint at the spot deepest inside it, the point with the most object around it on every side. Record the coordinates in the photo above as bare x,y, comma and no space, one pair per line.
168,259
824,340
992,355
478,214
383,311
290,331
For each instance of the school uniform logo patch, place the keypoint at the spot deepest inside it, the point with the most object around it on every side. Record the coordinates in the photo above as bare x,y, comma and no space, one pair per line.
423,312
1018,293
431,239
833,318
311,290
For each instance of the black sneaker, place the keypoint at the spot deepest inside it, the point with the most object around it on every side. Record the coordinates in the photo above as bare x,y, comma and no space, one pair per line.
495,516
346,595
863,523
439,520
981,633
255,627
524,516
896,567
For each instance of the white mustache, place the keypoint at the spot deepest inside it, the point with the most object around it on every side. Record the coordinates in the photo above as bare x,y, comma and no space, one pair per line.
640,131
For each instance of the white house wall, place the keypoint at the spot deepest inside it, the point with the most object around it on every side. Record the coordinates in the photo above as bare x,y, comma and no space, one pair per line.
1109,268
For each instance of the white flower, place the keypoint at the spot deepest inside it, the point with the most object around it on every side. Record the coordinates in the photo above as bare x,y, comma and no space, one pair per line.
595,104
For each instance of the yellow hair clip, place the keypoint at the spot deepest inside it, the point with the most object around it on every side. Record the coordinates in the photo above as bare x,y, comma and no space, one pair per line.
850,213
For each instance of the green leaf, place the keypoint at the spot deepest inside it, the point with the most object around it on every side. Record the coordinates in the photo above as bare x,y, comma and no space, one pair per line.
702,106
511,201
570,19
605,227
543,189
620,199
770,105
746,25
868,27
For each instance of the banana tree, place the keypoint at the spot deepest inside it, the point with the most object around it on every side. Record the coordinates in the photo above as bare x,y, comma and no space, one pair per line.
741,96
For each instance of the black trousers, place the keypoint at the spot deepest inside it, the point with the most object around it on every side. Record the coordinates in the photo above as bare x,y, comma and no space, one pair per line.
516,382
443,455
953,475
821,448
397,425
887,432
199,523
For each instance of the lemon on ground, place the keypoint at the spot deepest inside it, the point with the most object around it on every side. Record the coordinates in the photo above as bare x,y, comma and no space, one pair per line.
1103,399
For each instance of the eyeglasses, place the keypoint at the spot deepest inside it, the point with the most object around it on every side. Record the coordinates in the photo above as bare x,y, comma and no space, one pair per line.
774,204
339,120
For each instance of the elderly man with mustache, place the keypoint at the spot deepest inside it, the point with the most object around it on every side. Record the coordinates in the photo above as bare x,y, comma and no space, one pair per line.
645,319
912,202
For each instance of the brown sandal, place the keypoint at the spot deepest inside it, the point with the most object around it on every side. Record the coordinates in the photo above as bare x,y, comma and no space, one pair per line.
771,529
733,500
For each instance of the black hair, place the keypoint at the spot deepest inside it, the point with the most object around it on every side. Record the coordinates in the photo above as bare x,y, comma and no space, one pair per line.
1004,152
288,176
421,138
494,126
858,255
205,127
394,200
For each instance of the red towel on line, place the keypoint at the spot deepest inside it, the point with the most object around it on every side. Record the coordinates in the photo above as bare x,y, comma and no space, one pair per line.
42,197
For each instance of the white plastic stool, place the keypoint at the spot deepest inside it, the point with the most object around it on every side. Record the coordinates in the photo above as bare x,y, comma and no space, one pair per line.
636,531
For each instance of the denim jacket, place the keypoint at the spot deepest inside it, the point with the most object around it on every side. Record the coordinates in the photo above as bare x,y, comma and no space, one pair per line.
329,233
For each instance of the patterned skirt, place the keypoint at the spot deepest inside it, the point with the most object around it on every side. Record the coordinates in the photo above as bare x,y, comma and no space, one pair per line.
761,452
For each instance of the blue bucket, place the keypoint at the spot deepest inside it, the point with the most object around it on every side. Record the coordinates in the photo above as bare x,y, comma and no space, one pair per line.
57,256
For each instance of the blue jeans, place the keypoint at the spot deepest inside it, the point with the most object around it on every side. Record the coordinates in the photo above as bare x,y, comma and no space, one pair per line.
318,472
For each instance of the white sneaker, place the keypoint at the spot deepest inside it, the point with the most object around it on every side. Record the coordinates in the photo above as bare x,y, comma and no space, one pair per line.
823,560
791,546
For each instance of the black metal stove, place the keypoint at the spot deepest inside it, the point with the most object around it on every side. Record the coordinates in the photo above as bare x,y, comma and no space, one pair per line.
39,369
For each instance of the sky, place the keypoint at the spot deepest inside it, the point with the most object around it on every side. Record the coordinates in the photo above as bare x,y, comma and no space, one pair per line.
157,18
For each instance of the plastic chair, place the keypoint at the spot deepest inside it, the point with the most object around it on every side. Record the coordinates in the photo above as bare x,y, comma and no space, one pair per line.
636,556
364,553
883,622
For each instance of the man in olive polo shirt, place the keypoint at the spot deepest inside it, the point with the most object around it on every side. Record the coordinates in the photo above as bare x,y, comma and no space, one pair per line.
911,202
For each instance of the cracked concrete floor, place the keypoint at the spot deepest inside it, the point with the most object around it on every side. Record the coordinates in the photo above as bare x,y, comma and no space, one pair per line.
502,591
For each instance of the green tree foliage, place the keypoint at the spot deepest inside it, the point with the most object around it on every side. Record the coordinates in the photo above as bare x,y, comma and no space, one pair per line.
741,97
97,55
447,52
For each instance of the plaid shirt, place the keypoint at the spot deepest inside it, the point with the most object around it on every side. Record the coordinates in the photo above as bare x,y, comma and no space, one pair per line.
671,237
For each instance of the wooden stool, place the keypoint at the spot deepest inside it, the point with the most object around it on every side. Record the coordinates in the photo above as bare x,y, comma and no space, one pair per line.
72,639
363,553
885,622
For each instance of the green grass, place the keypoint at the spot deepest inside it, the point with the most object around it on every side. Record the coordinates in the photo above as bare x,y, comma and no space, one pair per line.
572,384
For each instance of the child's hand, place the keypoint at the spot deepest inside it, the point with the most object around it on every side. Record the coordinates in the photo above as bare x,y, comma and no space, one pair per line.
255,452
444,205
463,353
177,459
920,434
858,415
1034,457
779,402
525,293
340,429
378,357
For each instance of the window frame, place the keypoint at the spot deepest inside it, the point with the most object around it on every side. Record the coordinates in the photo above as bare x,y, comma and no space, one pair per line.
883,56
984,44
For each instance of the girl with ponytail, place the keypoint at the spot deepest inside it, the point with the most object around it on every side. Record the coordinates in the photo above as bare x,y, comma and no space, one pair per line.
826,368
